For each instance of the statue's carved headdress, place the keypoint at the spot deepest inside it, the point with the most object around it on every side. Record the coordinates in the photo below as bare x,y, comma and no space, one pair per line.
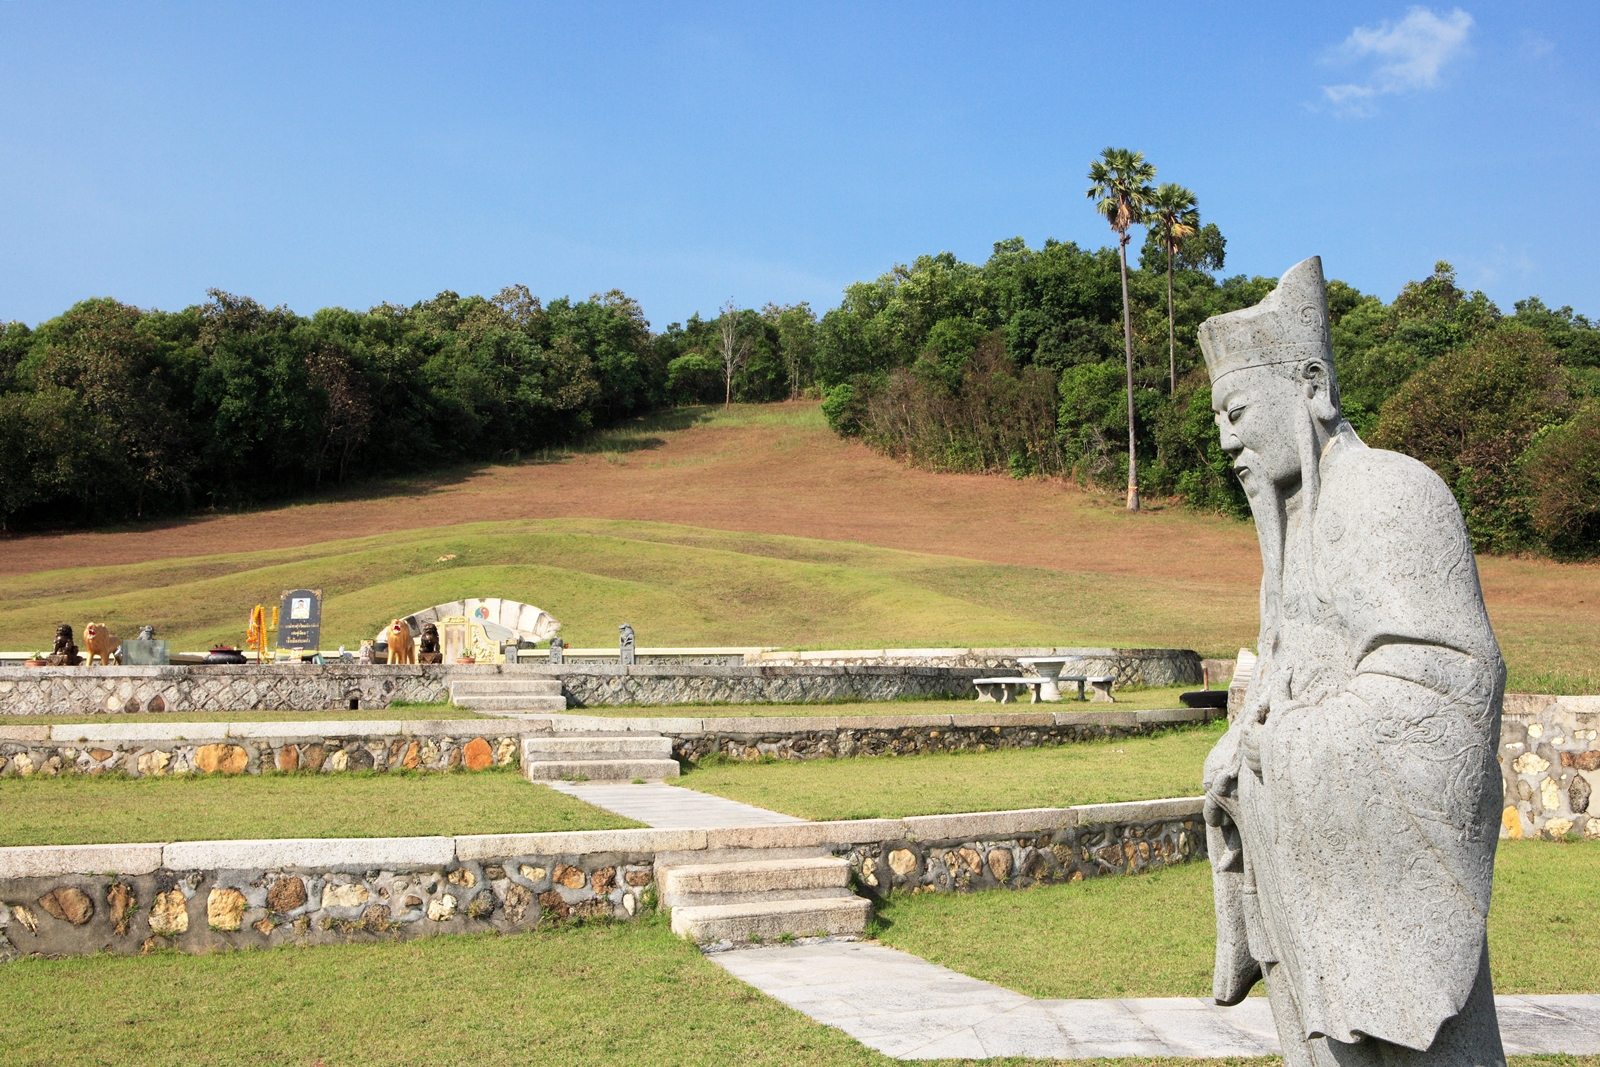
1283,331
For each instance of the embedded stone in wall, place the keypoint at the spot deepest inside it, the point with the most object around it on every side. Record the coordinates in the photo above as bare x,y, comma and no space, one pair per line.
902,861
69,904
1000,863
169,915
286,894
225,909
221,759
477,754
518,899
122,900
344,896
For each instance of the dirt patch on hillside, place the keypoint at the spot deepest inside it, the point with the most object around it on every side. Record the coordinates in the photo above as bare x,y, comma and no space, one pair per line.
798,480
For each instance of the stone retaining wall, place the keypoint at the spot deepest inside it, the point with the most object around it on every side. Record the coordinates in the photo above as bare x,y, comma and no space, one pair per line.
157,749
1152,667
206,896
1550,758
590,685
268,687
127,745
910,735
307,687
1014,850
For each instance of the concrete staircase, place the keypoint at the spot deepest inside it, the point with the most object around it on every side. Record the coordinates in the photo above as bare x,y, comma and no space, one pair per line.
759,894
507,695
598,757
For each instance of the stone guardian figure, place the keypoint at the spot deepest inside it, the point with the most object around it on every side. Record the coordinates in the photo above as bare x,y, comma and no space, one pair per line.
1352,808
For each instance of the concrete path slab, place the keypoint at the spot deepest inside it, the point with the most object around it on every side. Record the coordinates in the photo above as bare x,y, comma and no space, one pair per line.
911,1009
669,806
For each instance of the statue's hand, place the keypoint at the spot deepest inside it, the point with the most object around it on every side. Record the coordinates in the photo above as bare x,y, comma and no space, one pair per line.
1250,745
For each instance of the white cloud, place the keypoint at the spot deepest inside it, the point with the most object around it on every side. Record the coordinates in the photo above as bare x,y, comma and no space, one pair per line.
1535,47
1409,55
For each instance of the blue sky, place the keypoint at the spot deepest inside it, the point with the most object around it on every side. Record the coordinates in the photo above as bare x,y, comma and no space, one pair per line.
324,154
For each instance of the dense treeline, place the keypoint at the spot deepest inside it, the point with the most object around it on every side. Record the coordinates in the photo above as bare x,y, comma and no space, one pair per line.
1017,365
110,412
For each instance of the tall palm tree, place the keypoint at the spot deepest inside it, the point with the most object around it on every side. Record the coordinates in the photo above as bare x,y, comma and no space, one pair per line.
1121,188
1174,218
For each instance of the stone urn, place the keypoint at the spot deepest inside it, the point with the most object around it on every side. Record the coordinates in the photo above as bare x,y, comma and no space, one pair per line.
225,654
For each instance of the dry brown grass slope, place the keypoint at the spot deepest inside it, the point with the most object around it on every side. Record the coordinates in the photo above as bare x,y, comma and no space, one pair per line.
778,470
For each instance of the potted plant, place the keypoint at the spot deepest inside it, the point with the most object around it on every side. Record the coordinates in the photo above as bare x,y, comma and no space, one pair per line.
37,660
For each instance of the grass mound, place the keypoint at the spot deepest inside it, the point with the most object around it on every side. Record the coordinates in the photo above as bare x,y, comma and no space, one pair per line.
677,585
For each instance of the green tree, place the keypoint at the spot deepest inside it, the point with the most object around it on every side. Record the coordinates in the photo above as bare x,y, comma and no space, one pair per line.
1120,186
1174,219
797,337
733,345
1470,414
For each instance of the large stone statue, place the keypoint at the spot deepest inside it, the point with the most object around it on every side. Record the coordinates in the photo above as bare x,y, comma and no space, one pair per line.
1353,804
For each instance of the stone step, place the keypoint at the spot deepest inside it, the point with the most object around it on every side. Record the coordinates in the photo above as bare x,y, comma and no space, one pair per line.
600,770
506,686
767,920
736,855
492,704
590,747
767,879
700,900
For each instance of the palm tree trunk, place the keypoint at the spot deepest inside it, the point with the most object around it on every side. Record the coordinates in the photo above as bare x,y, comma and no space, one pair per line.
1172,348
1127,347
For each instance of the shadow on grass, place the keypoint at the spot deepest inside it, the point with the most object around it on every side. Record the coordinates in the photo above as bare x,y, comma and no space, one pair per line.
631,435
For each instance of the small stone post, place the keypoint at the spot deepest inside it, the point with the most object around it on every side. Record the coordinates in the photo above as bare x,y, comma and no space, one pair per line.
625,649
557,647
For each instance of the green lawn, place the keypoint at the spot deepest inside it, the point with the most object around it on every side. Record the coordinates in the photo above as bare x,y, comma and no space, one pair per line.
81,810
1167,764
606,994
1153,935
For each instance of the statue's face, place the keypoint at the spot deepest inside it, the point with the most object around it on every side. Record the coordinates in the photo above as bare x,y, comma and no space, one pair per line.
1255,411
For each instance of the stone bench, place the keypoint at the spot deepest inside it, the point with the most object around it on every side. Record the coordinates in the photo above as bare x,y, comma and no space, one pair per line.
1100,683
1005,690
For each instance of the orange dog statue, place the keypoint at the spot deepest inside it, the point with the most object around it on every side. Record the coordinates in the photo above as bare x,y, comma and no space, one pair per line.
100,641
402,649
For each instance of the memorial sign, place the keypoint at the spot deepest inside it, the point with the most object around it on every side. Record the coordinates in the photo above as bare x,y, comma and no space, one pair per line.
300,620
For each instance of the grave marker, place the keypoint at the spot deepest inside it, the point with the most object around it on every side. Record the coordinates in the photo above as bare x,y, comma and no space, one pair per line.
300,620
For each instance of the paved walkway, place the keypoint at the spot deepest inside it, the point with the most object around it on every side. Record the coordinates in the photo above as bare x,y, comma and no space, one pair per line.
670,807
911,1009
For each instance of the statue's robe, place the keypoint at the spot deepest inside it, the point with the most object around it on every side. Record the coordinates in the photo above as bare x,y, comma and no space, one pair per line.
1368,837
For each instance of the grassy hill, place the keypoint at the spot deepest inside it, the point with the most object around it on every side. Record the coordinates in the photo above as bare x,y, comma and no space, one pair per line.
754,526
677,585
